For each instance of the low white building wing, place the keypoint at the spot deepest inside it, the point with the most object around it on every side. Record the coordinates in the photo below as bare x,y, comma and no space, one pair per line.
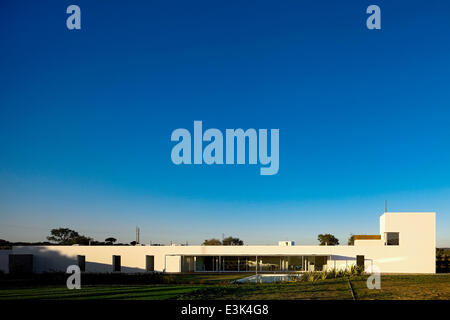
406,244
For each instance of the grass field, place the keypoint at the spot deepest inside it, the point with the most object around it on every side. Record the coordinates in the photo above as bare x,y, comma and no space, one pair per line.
219,287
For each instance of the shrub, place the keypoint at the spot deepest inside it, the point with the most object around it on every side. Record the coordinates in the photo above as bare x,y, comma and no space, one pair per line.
312,276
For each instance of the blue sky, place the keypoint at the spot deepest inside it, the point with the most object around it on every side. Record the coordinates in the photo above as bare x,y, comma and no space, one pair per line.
86,117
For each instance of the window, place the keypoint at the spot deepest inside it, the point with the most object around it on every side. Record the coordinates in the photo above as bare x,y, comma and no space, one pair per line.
360,262
20,263
150,263
82,263
116,264
392,238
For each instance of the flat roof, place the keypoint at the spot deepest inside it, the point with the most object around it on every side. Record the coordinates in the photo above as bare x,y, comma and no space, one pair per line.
250,255
366,237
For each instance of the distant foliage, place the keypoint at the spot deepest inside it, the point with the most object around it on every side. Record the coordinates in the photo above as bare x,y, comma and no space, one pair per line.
5,245
212,242
65,236
110,240
442,260
351,240
327,240
228,241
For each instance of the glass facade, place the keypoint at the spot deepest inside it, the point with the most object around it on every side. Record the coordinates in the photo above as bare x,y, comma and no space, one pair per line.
251,263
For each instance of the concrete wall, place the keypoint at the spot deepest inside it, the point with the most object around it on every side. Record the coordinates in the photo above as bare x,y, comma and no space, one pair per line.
415,254
417,231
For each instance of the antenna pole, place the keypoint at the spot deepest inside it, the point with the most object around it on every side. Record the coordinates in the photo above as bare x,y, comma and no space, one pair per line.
137,235
385,205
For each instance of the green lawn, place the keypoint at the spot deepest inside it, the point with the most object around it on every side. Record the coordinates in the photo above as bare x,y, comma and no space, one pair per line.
147,292
331,289
406,287
218,286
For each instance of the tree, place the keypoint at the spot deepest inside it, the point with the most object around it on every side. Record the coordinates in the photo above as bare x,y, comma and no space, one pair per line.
67,236
85,241
212,242
63,235
351,240
133,243
5,245
110,240
327,240
230,241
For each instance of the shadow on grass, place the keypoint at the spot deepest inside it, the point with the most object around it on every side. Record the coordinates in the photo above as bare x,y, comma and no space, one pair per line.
98,292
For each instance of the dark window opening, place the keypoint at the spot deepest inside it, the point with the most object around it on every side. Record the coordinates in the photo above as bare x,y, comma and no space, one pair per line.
360,262
150,263
20,263
392,238
82,262
116,264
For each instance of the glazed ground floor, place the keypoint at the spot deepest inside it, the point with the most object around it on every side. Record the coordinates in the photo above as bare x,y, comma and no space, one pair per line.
253,263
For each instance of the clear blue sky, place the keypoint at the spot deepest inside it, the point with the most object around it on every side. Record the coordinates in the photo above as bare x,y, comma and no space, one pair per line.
86,117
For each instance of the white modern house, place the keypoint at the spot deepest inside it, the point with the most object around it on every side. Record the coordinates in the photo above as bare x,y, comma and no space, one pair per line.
406,244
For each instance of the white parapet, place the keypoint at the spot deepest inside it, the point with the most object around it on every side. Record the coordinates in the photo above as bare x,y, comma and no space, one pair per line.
286,243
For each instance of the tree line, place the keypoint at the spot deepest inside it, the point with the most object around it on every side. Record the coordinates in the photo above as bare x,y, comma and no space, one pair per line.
66,236
442,260
228,241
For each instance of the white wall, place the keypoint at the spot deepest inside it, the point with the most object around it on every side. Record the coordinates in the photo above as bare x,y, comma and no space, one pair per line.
369,243
417,231
173,263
